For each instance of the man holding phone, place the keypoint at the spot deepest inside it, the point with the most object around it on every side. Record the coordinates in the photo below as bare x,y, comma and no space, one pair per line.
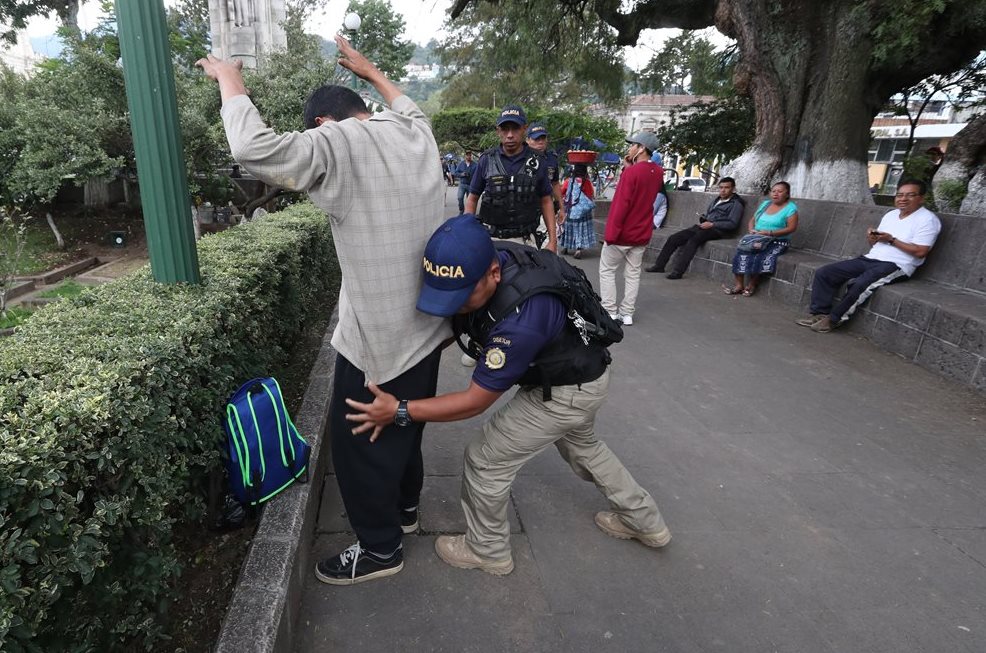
898,246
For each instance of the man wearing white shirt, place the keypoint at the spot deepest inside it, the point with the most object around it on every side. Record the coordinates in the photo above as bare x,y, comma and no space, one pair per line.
899,245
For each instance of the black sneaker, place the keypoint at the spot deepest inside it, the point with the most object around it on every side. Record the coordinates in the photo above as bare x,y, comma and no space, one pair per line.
409,520
355,565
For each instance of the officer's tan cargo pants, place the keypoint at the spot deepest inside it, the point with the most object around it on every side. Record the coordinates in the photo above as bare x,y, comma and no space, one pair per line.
521,429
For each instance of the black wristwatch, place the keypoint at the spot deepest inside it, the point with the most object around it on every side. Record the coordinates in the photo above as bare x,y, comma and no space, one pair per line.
402,418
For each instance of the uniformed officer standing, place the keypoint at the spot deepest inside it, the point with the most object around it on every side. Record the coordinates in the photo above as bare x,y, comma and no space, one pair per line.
537,139
533,344
513,182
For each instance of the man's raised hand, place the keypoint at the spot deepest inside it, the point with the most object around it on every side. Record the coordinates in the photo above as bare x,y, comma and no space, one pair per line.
214,67
351,59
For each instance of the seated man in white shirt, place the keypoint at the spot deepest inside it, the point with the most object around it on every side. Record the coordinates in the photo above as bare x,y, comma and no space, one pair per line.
899,245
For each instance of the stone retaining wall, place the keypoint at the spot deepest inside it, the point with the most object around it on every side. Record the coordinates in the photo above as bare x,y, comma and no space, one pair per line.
263,613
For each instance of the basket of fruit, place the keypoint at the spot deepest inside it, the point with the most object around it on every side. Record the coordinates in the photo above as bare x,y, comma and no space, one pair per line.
582,156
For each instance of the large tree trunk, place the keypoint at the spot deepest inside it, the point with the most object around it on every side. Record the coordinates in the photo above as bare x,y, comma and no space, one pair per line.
68,13
965,164
801,74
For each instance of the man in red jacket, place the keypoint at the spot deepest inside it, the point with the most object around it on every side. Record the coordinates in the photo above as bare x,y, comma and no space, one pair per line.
629,225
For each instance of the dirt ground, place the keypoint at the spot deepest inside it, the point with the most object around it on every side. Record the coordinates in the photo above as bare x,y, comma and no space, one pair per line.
90,233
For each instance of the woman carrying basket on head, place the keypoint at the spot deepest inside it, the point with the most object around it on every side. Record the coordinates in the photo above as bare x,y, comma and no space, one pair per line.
578,194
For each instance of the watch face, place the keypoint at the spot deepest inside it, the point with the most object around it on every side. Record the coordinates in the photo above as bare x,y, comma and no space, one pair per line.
402,418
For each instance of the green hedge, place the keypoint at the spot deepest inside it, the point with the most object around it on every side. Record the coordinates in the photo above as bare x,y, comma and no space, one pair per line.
109,419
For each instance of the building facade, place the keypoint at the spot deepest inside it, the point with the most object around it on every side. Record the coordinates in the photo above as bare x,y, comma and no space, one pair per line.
19,57
939,123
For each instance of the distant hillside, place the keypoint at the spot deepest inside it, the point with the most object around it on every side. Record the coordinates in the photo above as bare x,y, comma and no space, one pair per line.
425,54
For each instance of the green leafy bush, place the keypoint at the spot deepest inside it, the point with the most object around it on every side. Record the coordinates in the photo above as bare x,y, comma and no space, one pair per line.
473,128
949,195
109,421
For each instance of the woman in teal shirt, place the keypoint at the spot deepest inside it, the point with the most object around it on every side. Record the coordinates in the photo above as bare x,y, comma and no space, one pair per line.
776,218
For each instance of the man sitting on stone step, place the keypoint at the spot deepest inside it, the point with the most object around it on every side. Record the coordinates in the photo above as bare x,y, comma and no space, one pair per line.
900,244
720,220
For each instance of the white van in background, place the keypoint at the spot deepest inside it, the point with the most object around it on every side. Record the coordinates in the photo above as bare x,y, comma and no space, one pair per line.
695,184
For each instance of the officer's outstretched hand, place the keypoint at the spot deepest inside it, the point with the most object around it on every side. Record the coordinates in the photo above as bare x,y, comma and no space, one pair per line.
373,416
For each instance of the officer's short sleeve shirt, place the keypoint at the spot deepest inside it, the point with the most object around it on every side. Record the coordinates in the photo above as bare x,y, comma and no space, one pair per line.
516,341
552,159
512,165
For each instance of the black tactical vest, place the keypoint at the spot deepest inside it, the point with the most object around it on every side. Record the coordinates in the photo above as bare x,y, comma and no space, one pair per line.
569,359
511,205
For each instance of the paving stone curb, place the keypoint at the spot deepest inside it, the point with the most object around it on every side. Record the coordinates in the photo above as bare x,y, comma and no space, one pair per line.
20,288
263,612
71,269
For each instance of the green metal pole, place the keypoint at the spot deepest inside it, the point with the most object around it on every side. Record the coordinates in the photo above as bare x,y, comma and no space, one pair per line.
150,81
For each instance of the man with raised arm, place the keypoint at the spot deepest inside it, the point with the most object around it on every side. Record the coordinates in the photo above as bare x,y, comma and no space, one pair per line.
375,177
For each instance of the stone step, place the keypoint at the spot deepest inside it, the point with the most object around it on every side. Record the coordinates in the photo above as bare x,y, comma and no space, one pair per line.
56,275
38,302
21,288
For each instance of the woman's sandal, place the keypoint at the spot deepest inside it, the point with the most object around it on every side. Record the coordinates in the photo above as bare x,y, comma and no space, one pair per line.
749,292
731,291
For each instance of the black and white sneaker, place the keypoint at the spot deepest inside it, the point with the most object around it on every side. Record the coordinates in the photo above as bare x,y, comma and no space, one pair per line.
409,520
356,565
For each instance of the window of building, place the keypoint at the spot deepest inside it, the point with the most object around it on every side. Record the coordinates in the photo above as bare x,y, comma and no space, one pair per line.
885,149
888,150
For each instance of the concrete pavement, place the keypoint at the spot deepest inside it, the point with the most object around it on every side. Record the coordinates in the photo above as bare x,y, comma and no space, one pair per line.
823,496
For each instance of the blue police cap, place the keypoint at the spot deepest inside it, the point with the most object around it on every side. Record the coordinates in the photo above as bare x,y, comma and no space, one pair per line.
457,256
512,113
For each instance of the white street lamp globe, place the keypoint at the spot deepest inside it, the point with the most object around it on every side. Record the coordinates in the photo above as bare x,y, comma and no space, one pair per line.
352,21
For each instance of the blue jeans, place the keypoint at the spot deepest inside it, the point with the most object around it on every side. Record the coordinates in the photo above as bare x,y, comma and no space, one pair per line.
463,191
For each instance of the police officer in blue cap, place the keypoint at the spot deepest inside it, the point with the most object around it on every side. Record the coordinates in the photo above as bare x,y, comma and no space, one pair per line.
463,276
537,139
512,179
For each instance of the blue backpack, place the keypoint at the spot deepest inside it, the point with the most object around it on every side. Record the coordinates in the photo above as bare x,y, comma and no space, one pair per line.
266,453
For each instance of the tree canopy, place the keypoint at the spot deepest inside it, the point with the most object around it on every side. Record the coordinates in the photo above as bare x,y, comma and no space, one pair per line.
534,53
472,129
68,121
712,132
85,130
689,63
817,72
379,36
14,14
